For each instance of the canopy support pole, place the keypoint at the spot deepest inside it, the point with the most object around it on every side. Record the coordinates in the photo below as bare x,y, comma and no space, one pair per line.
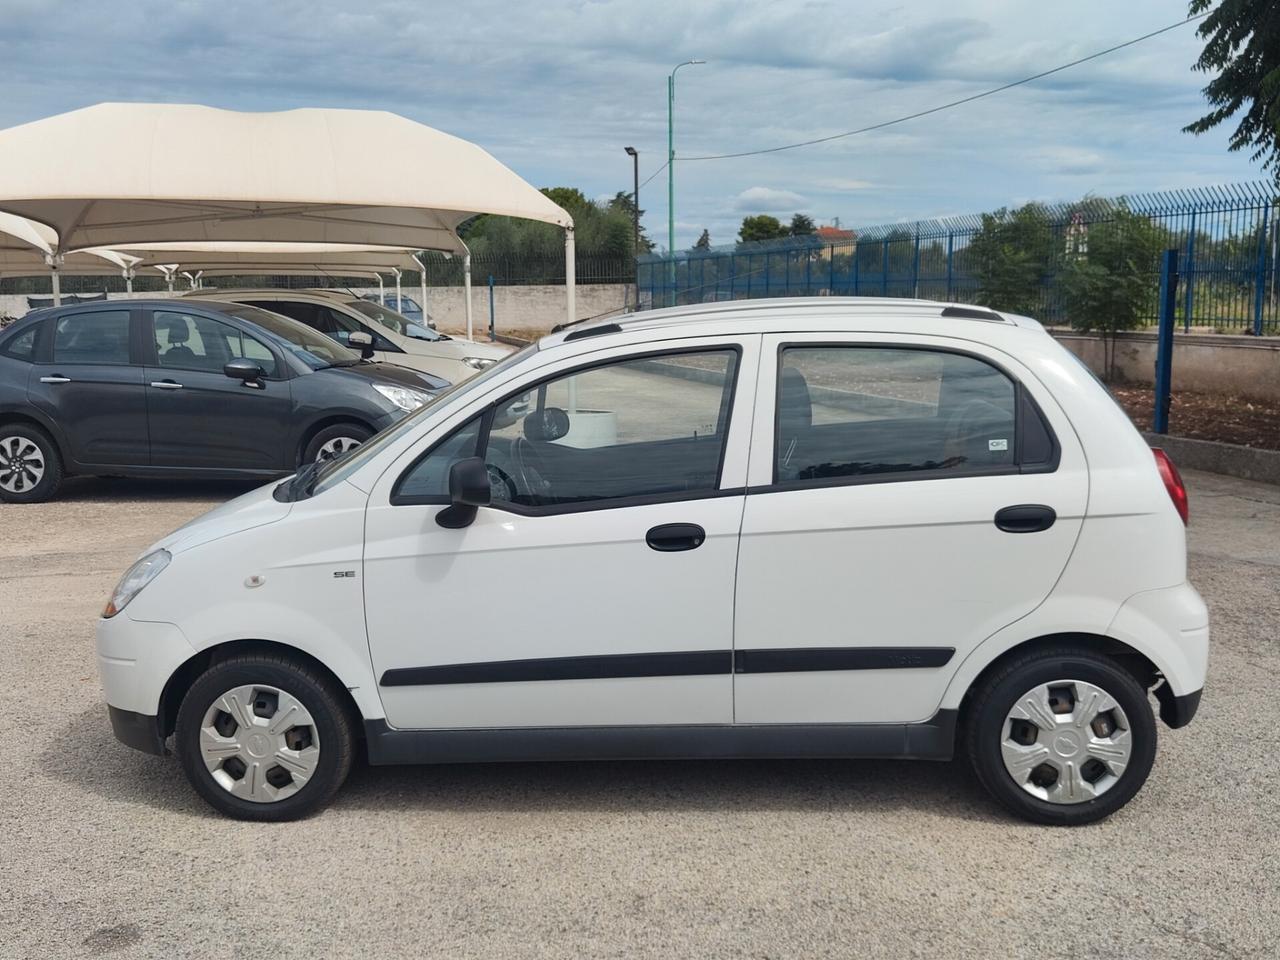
570,276
55,261
382,292
426,317
128,280
396,271
466,290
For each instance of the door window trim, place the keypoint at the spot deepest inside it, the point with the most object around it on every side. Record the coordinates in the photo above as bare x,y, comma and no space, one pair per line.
47,341
1024,406
585,506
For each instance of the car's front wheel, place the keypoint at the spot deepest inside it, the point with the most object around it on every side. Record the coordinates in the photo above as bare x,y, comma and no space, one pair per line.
1063,736
334,441
261,737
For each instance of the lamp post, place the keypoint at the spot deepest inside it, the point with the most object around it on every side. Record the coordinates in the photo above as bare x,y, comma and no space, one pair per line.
671,174
635,217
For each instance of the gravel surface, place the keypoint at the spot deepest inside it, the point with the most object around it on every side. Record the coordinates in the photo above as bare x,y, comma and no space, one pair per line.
106,852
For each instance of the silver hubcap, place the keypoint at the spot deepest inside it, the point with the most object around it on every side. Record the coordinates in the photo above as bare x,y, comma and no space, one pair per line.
336,447
259,743
21,464
1066,742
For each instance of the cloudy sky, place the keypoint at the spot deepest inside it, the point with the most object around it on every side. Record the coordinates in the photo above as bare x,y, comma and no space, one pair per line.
557,89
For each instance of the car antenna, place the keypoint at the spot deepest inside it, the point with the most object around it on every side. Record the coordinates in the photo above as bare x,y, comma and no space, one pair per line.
328,276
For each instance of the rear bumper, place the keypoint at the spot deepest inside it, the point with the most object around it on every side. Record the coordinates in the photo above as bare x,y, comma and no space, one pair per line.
1177,711
138,730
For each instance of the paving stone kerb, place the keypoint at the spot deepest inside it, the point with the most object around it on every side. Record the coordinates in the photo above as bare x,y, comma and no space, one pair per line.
1248,463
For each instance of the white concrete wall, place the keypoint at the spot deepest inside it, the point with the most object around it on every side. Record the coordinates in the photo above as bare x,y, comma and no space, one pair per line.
519,310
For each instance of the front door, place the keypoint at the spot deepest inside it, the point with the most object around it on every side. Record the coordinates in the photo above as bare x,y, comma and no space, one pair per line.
90,382
597,589
200,417
875,555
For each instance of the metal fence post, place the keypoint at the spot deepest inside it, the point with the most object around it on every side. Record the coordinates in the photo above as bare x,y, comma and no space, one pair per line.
831,269
1188,276
884,270
493,330
915,269
1164,341
951,238
1260,293
856,269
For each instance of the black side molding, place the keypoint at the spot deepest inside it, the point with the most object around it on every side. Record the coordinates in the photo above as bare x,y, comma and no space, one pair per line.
806,659
933,739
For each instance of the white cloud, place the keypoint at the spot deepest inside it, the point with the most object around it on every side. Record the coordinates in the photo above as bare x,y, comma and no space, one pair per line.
768,200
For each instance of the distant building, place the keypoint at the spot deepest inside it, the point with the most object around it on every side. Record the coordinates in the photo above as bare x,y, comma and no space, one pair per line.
831,237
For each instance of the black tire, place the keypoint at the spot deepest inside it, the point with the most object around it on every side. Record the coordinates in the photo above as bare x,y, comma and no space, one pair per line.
991,701
317,693
49,458
349,431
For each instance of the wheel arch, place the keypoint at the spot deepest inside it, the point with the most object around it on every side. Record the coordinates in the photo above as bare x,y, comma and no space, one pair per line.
970,676
181,679
45,426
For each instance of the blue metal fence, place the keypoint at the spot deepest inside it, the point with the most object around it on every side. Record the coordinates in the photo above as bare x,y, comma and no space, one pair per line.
1227,236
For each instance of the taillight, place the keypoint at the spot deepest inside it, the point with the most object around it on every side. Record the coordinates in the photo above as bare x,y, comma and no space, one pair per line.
1172,482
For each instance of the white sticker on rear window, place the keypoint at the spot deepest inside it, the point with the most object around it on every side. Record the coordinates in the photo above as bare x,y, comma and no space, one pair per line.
993,445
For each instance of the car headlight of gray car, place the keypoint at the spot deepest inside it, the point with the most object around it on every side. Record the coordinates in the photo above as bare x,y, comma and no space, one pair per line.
405,398
135,578
478,363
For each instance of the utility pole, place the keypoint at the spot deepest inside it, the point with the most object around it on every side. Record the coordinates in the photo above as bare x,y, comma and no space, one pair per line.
635,217
671,175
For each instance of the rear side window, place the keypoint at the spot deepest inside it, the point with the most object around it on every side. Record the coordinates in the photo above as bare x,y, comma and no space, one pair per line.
885,412
22,345
100,337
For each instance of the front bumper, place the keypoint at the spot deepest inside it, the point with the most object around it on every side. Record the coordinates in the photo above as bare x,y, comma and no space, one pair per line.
137,730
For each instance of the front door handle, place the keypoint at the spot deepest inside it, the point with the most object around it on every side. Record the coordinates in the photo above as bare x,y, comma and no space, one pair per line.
166,384
1025,518
670,537
56,378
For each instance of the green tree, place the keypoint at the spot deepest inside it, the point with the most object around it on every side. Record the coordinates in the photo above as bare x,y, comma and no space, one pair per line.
761,227
1243,45
802,226
1113,285
624,204
600,229
704,241
1011,255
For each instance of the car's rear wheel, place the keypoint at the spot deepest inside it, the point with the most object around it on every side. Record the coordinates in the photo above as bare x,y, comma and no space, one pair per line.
30,467
263,738
334,441
1063,736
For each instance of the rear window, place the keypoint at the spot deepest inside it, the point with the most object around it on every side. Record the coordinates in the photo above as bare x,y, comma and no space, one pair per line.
22,345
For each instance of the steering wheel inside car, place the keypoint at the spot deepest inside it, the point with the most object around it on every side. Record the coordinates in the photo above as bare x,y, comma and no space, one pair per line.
531,470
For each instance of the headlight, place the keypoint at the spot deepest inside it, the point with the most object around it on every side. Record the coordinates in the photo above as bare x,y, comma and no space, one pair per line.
403,397
135,578
478,363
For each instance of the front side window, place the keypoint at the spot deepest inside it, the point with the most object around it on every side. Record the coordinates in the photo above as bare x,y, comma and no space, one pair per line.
652,427
99,337
853,411
189,342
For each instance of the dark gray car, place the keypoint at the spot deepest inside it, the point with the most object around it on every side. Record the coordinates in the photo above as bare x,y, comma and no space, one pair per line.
183,388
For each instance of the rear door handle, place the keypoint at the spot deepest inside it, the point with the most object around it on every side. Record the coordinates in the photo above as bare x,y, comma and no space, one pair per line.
166,384
670,537
1025,518
56,378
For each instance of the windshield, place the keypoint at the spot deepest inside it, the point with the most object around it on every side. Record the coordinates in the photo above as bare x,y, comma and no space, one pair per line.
394,321
310,346
334,471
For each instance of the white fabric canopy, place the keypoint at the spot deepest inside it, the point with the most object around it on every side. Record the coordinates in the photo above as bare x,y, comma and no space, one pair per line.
29,249
123,173
281,258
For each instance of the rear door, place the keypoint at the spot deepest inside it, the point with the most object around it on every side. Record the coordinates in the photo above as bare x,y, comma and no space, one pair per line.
202,418
878,547
90,381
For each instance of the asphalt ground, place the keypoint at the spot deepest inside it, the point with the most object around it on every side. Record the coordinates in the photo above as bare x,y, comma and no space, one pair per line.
107,852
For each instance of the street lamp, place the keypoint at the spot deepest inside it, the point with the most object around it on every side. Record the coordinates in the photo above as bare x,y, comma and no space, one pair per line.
635,216
671,173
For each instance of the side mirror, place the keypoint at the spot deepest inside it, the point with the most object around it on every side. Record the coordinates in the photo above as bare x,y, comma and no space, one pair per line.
361,341
249,371
468,490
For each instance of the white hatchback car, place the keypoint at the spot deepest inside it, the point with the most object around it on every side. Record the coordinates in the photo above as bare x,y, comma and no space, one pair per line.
395,339
815,528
